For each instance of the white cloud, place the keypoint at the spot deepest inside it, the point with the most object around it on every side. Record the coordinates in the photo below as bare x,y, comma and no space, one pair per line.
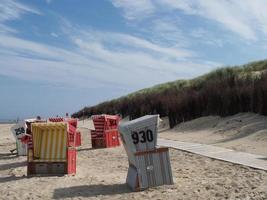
54,34
184,5
12,10
48,1
243,17
167,31
143,45
98,59
135,9
206,37
228,14
5,29
257,11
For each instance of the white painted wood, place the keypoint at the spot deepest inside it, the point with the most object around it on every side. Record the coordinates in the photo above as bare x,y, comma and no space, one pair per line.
148,167
18,131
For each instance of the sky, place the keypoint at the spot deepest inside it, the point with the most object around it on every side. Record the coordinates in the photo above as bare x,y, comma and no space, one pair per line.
59,56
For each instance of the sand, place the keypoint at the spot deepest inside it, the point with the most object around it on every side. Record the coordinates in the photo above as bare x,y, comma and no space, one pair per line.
101,174
246,132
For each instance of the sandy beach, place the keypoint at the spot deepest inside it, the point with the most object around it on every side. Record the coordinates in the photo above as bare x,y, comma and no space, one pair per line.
175,89
246,132
101,174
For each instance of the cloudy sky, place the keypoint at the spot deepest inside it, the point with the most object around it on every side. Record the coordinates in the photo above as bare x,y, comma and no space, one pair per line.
58,56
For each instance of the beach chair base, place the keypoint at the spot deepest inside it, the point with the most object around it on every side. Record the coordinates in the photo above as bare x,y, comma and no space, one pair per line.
108,139
98,143
151,168
47,168
41,167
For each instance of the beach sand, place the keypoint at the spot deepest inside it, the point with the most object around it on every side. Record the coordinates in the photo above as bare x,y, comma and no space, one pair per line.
101,174
246,132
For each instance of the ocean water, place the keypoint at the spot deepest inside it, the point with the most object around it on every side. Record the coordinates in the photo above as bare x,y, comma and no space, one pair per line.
8,121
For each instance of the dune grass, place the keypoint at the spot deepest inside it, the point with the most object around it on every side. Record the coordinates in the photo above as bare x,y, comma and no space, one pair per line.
224,91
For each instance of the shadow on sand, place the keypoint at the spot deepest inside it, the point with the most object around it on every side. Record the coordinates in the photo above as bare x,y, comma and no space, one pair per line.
90,191
263,158
11,178
5,156
12,165
90,149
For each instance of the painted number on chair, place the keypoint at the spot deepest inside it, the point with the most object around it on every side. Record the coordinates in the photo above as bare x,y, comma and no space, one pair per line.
19,131
142,136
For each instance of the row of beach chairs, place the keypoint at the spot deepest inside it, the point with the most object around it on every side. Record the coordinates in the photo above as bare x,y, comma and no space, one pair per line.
51,147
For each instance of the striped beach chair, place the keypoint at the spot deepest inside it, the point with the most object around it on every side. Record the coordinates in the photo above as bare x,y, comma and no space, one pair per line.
149,165
74,136
106,131
51,152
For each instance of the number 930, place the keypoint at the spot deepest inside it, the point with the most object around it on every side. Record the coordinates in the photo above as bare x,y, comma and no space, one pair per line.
142,136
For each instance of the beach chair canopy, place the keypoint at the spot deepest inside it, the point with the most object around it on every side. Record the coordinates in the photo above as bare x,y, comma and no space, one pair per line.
49,141
140,134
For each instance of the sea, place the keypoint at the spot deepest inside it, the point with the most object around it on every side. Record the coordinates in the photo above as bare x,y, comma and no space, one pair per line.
9,121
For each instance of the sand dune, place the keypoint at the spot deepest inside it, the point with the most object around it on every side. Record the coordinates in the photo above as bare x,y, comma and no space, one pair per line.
101,174
243,132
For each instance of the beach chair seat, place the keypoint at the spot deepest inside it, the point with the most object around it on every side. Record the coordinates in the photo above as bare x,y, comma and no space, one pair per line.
150,169
50,153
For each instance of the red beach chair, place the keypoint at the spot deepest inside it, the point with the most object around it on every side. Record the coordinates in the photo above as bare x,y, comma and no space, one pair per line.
106,131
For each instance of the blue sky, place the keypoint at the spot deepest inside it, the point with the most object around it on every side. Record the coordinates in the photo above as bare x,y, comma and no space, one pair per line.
58,56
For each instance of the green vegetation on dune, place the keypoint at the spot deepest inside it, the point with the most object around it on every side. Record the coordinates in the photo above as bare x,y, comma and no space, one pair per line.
224,91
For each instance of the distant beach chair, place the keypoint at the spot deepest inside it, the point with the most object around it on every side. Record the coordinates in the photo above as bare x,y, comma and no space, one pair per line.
18,131
106,132
149,165
52,152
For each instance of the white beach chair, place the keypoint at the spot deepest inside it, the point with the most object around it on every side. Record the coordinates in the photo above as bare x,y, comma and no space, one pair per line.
18,131
149,166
